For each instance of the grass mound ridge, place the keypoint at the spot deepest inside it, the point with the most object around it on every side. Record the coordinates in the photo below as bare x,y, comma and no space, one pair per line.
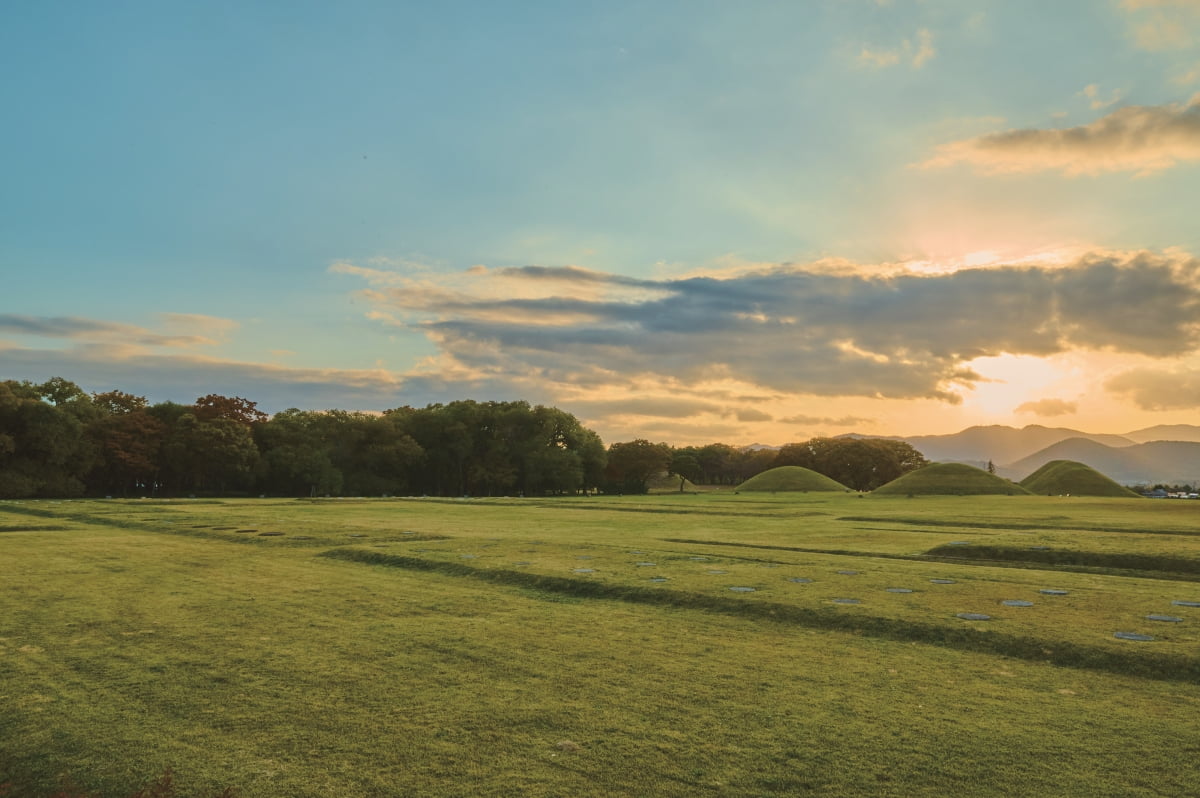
1149,665
957,524
949,479
792,478
1134,562
1059,477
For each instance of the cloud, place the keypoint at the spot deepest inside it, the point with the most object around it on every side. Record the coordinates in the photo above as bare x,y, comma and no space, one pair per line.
750,414
915,52
1139,138
1048,408
75,328
824,421
665,407
1163,24
1159,389
787,329
1092,93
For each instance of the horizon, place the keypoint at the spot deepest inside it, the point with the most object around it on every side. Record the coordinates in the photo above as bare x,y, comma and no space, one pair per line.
686,223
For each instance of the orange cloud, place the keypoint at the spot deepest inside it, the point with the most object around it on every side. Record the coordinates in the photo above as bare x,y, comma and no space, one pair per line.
1143,139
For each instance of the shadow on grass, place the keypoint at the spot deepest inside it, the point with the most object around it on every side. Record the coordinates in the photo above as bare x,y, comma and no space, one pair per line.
1145,664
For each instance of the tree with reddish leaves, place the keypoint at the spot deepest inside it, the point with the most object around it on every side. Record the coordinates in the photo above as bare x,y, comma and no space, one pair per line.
215,407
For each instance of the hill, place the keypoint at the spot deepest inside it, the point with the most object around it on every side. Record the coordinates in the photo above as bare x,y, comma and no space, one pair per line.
1067,477
1169,462
1165,432
1001,444
791,478
954,479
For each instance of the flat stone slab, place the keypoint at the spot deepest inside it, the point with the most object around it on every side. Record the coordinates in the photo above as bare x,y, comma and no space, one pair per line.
584,570
959,543
659,579
848,573
800,580
469,556
1132,636
742,589
846,601
353,535
1165,618
1016,603
717,571
645,564
523,562
974,616
1182,603
699,559
1039,548
899,590
1052,592
943,581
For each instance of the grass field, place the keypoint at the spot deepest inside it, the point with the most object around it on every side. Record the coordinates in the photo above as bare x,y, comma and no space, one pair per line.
599,647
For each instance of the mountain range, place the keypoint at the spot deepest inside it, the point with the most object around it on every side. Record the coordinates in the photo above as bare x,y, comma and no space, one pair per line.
1160,454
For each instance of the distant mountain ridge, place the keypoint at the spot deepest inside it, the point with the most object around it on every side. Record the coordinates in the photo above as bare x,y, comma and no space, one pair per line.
1163,453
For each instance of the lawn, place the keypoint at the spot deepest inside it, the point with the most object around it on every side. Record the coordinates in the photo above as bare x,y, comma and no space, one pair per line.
597,647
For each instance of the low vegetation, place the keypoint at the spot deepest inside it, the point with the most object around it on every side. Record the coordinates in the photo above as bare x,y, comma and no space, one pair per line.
652,645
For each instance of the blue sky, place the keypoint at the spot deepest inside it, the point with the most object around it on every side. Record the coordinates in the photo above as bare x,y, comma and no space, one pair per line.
365,205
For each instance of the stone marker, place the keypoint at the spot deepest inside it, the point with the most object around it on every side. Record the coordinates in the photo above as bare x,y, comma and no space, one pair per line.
698,559
846,601
1016,603
742,589
645,564
585,570
1132,636
960,543
848,573
1052,592
899,590
1165,618
1182,603
800,580
974,616
659,579
717,571
468,556
943,581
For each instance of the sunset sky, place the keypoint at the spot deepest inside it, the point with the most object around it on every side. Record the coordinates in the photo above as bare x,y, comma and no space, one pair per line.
684,220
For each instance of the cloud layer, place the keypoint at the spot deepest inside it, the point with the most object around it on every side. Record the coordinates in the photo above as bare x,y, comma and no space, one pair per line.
796,330
1143,139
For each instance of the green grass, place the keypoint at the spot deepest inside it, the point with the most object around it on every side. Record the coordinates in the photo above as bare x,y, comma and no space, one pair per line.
1071,478
949,479
791,478
451,648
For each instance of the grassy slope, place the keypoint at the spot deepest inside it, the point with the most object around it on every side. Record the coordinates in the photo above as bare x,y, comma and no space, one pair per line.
1067,477
954,479
125,650
791,478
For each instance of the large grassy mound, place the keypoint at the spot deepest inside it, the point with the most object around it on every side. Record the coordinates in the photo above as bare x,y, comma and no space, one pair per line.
1059,477
955,479
791,478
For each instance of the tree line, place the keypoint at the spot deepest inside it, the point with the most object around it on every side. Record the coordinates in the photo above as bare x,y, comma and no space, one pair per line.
57,440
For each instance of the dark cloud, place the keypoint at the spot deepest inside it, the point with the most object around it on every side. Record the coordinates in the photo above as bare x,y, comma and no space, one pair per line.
72,327
1048,408
183,379
795,331
1159,389
750,414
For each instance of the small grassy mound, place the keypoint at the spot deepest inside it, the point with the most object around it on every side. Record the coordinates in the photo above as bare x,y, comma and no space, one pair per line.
1059,477
952,479
791,478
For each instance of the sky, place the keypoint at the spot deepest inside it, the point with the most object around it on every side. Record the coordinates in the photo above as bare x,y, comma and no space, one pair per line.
689,221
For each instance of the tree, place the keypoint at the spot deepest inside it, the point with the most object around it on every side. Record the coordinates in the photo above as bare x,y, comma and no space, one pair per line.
991,467
859,463
129,441
632,464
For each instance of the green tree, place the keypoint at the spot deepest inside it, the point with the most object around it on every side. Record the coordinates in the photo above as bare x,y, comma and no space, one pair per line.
631,465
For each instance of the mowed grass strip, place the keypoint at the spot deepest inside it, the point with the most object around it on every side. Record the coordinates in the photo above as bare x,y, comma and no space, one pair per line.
1028,634
284,674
